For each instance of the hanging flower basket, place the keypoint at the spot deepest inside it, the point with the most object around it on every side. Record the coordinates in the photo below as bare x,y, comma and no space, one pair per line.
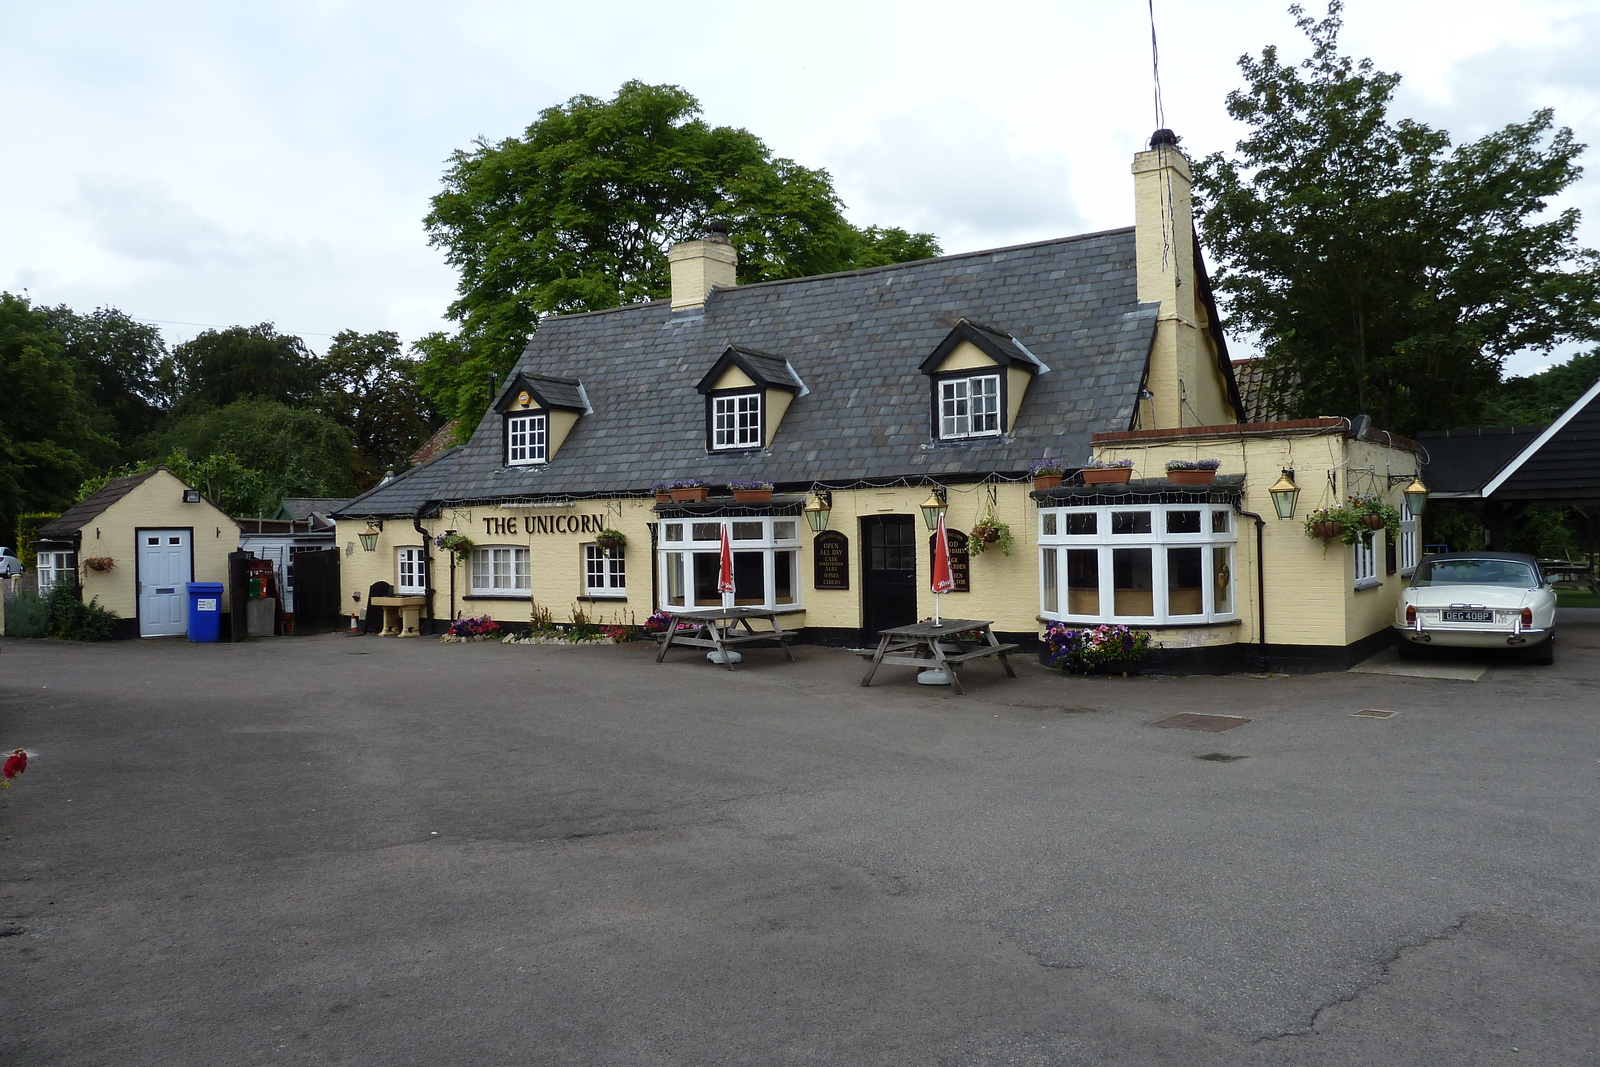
989,531
611,540
1326,529
458,545
1372,521
99,563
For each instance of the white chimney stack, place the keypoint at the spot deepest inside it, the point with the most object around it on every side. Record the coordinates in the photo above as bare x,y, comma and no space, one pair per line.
701,266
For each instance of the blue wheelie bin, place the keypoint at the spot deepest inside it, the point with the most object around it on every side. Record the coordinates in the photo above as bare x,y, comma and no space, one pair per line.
205,611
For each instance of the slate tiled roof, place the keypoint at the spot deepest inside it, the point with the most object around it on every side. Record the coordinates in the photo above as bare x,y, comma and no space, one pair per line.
856,339
554,391
92,506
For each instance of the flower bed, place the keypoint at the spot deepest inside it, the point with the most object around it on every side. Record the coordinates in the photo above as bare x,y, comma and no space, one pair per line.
482,628
1092,649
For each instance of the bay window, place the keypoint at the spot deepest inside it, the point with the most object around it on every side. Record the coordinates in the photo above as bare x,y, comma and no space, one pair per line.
53,567
1145,563
766,562
500,571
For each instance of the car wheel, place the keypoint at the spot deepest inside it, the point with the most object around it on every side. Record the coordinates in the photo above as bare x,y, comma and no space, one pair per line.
1544,653
1408,649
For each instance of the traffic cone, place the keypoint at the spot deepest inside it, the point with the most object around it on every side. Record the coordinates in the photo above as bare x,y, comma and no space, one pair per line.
355,626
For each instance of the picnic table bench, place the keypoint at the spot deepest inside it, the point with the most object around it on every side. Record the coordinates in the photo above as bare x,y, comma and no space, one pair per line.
718,628
938,646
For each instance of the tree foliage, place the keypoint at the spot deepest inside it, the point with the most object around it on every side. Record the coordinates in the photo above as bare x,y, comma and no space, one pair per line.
1382,269
371,389
299,452
220,367
51,435
118,363
1540,398
578,214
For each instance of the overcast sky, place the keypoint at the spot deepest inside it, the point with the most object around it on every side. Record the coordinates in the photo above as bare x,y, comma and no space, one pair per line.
210,164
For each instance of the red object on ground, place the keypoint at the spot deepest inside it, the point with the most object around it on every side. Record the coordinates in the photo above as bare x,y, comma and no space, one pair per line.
15,764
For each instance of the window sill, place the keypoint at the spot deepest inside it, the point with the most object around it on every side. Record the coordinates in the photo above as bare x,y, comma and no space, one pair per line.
496,596
1369,583
603,596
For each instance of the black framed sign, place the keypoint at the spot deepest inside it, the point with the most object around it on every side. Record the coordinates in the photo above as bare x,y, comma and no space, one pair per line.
960,561
830,557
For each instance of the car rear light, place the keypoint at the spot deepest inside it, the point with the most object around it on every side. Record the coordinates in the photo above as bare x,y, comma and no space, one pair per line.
1527,617
1411,615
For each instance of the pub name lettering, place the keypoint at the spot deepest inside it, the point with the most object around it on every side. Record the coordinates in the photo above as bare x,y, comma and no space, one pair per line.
545,524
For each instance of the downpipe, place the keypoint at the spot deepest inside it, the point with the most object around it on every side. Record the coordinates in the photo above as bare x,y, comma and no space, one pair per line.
427,562
1261,586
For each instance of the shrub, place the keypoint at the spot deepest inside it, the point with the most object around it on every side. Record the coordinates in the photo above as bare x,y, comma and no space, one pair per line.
26,617
1082,650
27,532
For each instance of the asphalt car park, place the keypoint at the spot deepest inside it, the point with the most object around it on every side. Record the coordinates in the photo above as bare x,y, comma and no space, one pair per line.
362,850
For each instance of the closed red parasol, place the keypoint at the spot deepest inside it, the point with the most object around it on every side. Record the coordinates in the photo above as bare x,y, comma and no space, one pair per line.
943,580
725,578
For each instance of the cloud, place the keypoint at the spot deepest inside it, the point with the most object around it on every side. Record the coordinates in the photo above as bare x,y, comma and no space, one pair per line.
141,220
956,173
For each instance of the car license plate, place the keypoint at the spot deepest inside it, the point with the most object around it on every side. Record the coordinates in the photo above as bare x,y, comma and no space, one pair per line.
1469,616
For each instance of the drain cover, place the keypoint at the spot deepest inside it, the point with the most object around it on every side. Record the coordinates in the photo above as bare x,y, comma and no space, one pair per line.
1373,713
1213,724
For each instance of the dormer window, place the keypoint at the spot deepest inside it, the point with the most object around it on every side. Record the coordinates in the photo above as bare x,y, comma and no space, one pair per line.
537,413
747,393
527,439
969,406
736,420
979,375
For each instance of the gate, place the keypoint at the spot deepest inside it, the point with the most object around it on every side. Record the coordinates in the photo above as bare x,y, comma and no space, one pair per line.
316,591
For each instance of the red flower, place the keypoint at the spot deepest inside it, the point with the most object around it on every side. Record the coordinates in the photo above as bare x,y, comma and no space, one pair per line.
15,764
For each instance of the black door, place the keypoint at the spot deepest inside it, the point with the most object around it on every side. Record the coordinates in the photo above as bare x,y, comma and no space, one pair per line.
889,566
316,591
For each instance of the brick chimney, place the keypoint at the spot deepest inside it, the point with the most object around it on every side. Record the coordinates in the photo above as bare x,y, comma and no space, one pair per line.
701,266
1179,377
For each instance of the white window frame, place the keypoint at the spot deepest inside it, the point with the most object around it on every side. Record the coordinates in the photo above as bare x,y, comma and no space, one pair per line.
527,439
411,563
605,572
51,566
1410,540
1055,542
682,545
736,420
1365,554
500,570
966,412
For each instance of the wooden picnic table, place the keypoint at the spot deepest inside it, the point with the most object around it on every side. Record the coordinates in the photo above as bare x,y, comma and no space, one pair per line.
718,628
939,646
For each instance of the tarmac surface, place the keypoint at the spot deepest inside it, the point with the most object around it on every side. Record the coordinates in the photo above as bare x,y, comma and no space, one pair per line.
354,850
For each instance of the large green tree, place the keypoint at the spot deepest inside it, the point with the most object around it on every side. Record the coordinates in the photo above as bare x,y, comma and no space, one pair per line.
371,389
577,215
118,365
1382,269
298,452
51,434
219,367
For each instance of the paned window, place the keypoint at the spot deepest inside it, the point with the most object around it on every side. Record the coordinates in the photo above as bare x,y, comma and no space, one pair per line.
766,563
604,571
1159,563
500,571
969,407
1366,557
53,567
413,572
736,421
1410,538
527,439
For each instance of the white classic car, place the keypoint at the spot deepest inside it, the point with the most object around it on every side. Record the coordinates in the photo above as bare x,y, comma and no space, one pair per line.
1478,600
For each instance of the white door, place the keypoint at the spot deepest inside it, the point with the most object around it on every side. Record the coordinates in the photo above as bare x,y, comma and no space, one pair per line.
164,571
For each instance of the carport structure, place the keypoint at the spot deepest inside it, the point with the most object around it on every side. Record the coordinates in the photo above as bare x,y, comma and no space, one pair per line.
1496,474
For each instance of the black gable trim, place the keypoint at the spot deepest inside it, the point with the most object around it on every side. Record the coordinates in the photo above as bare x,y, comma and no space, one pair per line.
1000,347
563,394
761,367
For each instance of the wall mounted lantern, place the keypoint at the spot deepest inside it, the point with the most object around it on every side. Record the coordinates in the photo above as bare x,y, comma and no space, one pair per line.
1285,494
369,536
191,496
933,507
1416,495
817,512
